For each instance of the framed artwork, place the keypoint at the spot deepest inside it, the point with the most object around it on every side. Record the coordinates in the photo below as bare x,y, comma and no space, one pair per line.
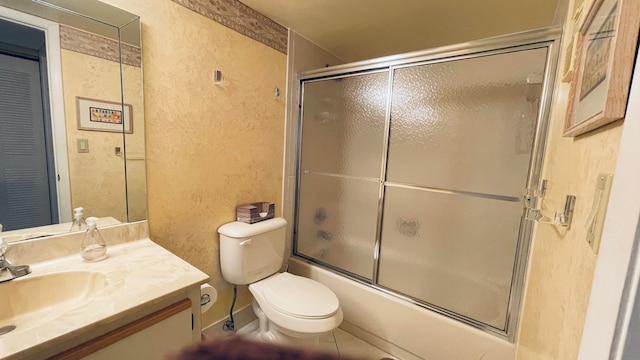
98,115
605,52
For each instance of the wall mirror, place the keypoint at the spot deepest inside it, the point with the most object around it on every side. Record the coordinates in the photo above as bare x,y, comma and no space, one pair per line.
71,116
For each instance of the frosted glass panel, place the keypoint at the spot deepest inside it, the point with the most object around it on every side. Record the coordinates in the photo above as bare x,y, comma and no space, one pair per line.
453,251
343,125
337,221
467,124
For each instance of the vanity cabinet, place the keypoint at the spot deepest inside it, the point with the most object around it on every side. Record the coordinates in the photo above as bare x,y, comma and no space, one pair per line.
151,337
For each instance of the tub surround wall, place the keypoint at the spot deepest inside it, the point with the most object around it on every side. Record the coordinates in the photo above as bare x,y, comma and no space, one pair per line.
210,147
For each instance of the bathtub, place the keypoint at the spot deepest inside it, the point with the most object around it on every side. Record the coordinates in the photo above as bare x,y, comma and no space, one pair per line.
403,329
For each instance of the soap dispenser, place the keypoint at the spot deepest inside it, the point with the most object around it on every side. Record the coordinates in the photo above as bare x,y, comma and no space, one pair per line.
79,224
93,247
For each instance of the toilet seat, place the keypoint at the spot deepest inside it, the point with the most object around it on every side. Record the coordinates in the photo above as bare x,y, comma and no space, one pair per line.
296,304
300,297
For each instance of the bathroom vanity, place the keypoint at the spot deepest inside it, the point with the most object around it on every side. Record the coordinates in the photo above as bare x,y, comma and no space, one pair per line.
140,302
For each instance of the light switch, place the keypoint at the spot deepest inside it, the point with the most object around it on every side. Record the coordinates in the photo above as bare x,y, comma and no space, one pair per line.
83,145
595,221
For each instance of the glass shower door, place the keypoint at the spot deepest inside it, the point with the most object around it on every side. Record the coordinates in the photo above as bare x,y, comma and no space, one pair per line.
460,145
342,142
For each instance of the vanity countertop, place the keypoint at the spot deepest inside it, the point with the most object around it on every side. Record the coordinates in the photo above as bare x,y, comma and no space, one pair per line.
139,274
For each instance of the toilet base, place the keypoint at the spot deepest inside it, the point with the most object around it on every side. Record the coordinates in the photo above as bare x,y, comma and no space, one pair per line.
264,330
324,341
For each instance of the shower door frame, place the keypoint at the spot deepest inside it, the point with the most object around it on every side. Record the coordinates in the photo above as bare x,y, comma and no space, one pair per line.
548,38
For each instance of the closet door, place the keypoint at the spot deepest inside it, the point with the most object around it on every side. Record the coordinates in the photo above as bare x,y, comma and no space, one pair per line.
25,200
460,146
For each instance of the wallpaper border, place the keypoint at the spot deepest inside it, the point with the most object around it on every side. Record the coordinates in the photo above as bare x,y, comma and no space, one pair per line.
243,19
91,44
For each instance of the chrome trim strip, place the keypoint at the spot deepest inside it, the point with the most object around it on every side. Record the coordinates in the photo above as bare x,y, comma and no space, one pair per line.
474,55
539,142
341,176
523,248
296,204
454,192
383,176
343,76
476,46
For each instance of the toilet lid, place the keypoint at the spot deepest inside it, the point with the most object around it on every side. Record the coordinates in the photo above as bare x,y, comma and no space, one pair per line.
300,297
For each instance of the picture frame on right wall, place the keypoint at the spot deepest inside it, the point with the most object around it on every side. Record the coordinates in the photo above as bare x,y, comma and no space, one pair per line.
605,53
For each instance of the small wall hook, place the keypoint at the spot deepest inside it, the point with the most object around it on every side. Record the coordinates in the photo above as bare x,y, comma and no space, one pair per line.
564,218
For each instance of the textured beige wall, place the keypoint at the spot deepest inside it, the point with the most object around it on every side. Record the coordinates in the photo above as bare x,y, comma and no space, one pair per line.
562,263
96,177
209,147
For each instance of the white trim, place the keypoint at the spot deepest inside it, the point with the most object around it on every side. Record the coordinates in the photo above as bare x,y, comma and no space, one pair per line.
56,100
616,247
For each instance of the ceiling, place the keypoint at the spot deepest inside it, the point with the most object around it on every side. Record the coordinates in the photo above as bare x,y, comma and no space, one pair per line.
363,29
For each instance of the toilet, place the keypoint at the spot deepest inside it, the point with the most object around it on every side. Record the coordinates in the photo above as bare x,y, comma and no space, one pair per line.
289,308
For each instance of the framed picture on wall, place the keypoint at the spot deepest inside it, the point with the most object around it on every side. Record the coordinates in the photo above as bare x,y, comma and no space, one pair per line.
99,115
605,52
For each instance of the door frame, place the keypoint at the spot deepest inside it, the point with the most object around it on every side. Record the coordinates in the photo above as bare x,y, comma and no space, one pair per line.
56,101
609,324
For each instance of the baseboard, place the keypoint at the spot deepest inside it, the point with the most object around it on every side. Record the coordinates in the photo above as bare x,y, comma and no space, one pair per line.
241,318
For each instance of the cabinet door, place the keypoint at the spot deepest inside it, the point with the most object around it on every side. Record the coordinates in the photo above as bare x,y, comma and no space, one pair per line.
152,337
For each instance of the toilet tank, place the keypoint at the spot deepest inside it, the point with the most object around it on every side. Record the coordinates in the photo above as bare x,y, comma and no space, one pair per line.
251,252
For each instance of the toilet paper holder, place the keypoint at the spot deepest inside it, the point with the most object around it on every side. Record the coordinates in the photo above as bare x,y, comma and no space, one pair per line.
205,299
208,296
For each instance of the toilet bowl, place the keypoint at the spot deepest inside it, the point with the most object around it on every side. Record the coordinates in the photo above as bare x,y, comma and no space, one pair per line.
288,306
296,306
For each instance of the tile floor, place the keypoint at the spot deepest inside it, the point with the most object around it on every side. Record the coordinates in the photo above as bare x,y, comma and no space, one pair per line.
339,343
350,345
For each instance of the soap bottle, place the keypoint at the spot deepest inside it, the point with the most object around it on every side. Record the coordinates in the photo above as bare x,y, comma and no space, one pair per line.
79,224
93,247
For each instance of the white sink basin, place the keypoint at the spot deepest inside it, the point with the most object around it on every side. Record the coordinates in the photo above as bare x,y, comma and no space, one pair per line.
35,299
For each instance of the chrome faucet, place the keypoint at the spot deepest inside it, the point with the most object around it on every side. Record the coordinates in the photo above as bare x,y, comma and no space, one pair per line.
8,271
